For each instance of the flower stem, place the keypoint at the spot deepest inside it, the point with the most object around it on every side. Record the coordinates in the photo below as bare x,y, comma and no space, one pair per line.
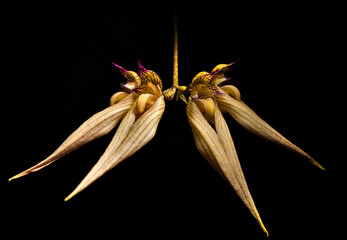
169,93
175,57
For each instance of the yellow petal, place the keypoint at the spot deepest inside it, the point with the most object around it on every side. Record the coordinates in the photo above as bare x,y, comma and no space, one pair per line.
152,89
202,77
150,76
98,125
117,97
145,101
232,91
221,67
129,138
206,107
133,77
210,145
252,122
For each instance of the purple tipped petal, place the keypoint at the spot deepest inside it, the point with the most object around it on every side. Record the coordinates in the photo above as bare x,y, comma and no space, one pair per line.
121,69
223,68
142,68
214,73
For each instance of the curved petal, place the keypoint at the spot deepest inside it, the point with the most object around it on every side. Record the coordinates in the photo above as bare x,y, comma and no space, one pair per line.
129,138
252,122
96,126
221,154
204,149
229,147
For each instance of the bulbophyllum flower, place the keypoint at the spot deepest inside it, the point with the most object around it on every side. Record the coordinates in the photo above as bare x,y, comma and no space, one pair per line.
207,100
138,108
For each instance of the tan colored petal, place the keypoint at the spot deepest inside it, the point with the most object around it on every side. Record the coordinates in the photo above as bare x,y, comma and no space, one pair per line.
145,101
203,148
252,122
232,91
220,153
229,147
129,138
206,107
118,96
131,76
96,126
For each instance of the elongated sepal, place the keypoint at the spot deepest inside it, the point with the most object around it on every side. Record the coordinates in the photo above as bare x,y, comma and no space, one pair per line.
229,147
217,147
132,77
131,135
220,69
96,126
247,118
149,76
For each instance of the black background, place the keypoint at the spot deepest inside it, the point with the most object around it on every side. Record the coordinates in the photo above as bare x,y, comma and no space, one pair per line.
62,75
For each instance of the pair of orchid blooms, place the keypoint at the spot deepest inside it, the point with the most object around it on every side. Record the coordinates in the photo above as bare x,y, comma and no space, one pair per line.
138,109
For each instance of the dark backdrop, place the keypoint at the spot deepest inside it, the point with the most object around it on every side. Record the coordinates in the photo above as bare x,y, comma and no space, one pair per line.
62,75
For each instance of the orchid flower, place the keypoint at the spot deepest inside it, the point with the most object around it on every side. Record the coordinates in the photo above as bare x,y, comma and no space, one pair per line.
139,107
207,101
